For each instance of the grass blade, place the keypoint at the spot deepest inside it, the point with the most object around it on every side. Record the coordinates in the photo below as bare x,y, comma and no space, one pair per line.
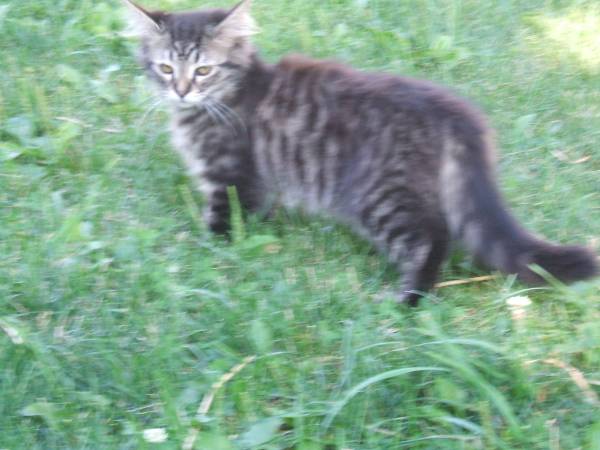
353,392
474,378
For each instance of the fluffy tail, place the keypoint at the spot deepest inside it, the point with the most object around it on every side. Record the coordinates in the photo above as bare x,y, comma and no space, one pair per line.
477,216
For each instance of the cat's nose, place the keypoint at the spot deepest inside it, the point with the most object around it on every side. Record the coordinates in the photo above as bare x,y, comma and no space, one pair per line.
182,88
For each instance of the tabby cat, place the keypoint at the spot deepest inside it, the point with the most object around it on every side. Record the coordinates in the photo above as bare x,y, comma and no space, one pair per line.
405,162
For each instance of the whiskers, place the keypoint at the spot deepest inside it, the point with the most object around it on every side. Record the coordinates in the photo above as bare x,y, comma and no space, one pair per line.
218,111
221,113
154,102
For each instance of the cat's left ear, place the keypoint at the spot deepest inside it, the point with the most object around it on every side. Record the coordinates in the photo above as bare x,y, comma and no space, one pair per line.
237,25
143,22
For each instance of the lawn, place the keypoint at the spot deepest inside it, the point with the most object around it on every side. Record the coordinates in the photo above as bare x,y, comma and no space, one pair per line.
125,325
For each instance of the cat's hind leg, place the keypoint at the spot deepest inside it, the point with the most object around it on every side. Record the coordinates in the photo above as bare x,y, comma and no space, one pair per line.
416,244
422,254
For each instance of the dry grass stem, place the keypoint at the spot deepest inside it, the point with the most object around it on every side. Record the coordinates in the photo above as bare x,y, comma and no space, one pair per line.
578,378
190,440
465,281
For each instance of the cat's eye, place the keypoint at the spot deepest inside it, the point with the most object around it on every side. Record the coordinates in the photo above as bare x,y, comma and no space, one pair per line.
166,69
203,70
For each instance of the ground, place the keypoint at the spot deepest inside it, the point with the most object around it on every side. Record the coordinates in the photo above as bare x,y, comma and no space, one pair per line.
119,313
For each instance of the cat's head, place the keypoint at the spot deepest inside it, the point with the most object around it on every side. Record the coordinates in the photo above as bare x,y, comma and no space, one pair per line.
195,56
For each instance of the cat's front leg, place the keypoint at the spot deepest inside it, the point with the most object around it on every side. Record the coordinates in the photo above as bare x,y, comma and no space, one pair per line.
225,171
217,211
217,162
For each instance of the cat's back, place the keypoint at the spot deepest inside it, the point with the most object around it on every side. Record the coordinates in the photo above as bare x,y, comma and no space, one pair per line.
337,82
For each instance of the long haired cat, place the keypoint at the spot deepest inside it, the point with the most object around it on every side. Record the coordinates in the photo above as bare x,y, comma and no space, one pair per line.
404,162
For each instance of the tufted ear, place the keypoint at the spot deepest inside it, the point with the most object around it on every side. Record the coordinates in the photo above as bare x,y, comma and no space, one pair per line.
237,25
143,22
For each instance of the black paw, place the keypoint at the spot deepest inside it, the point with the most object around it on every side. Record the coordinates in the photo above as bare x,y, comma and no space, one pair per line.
410,299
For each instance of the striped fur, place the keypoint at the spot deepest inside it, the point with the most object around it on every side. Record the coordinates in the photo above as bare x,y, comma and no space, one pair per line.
406,163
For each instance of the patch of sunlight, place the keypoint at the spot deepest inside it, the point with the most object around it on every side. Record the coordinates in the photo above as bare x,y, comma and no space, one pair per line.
572,37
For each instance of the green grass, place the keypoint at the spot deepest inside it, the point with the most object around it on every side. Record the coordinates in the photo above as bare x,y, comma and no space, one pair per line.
118,311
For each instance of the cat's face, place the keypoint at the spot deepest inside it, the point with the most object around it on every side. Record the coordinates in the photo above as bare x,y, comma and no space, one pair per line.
196,57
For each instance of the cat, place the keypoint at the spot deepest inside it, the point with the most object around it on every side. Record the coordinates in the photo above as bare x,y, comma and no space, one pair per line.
406,163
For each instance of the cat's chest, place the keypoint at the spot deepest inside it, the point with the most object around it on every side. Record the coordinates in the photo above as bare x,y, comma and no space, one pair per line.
188,149
197,139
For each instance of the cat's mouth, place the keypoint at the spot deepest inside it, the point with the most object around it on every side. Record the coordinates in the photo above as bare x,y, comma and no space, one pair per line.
187,102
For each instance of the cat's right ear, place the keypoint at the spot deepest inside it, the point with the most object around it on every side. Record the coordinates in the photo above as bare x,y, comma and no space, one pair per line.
237,25
143,23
